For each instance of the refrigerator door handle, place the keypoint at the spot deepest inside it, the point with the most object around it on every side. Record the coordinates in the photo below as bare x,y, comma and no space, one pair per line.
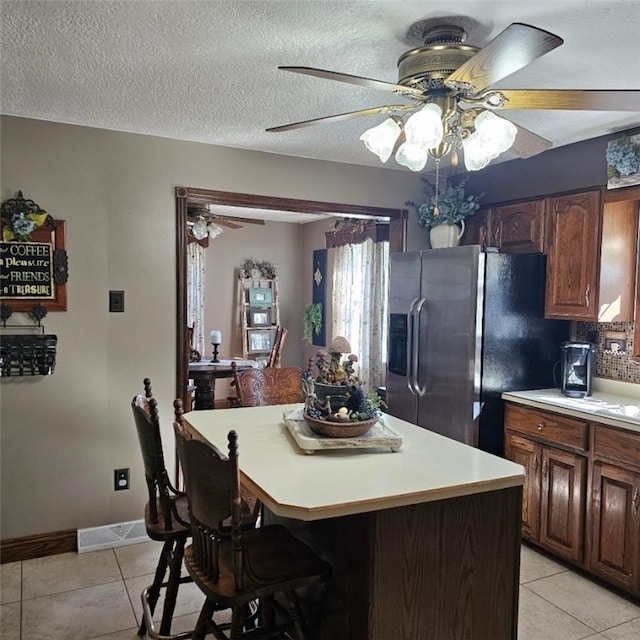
415,343
410,356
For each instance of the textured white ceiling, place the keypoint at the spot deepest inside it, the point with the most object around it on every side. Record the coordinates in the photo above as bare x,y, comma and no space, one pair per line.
207,71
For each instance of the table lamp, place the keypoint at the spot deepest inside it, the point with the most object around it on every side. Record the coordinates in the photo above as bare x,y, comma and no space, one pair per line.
216,339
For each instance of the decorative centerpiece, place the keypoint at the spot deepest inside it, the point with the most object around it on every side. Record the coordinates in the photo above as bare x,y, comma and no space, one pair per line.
336,405
333,373
443,212
357,415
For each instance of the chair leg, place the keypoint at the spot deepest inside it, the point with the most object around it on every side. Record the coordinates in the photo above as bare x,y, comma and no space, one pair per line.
154,591
173,583
206,614
237,622
295,614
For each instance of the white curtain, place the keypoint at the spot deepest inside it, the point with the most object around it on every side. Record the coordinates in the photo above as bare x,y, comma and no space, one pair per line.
360,295
195,295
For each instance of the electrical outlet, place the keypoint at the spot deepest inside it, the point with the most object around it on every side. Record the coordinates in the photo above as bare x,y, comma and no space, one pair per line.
116,301
120,479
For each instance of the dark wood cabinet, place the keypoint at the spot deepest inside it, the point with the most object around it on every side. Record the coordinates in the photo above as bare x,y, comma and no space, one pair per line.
554,495
562,504
581,497
573,239
528,454
615,525
517,228
614,541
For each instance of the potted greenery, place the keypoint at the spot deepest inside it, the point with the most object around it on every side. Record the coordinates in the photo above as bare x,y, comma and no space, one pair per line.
443,214
312,321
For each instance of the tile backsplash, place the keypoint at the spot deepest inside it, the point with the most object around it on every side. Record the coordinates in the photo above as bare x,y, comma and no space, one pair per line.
610,364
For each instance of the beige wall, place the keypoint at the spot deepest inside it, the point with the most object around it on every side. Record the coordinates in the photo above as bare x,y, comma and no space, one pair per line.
63,435
277,242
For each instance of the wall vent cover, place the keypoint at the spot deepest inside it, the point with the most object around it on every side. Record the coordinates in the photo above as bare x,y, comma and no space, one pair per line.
111,535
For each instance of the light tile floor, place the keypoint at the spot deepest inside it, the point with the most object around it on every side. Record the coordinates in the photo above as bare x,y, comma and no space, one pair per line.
96,595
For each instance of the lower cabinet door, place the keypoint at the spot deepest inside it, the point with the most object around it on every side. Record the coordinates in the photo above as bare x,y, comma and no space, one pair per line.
615,525
563,500
528,454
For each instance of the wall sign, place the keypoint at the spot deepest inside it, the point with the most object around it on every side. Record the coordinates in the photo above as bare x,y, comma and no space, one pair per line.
33,259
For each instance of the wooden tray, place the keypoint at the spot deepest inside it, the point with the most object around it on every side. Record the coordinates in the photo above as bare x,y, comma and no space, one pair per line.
380,436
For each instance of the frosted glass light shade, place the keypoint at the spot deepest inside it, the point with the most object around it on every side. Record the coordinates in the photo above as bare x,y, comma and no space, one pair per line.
497,133
425,127
413,156
214,230
199,230
493,136
476,156
382,138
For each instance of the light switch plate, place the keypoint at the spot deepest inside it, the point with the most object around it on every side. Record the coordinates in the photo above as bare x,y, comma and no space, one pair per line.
116,301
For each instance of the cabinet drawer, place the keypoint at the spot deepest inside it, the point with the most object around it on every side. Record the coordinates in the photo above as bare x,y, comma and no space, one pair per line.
547,427
617,444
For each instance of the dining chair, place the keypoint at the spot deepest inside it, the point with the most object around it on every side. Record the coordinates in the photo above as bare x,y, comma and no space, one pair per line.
266,565
166,517
278,344
268,386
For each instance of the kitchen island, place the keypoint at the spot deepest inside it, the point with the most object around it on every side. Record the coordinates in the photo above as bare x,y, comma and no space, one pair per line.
424,542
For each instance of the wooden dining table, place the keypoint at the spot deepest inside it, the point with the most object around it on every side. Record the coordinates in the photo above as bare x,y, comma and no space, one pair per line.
424,542
204,375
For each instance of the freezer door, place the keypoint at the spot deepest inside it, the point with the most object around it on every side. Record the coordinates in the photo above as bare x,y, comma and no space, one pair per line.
404,293
450,342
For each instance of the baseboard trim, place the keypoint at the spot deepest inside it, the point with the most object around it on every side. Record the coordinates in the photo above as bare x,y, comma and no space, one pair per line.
38,546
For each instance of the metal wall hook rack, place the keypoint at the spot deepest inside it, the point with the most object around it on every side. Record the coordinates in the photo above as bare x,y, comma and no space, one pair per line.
23,353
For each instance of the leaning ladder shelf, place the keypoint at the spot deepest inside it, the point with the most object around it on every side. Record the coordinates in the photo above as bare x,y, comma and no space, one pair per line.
259,315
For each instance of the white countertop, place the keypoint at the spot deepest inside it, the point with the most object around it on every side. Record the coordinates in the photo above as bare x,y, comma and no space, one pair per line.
602,406
428,467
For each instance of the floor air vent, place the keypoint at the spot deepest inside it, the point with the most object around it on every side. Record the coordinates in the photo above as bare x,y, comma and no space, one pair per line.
111,535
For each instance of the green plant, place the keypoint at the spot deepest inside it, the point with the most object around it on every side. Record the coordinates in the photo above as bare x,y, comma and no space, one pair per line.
312,321
452,205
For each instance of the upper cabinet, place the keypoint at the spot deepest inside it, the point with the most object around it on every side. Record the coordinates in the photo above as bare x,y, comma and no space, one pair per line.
592,248
511,228
517,228
573,232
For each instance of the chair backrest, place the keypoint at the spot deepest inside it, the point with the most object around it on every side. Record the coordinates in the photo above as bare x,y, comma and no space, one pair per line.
268,386
213,491
278,344
145,415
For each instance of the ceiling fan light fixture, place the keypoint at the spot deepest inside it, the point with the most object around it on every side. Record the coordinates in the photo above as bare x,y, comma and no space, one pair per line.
214,230
495,132
425,127
382,138
199,230
492,136
411,155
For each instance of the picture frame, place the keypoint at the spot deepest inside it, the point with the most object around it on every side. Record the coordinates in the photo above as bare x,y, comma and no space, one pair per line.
260,341
260,297
260,317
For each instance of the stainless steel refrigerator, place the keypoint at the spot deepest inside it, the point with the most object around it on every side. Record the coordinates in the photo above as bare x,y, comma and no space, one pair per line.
464,326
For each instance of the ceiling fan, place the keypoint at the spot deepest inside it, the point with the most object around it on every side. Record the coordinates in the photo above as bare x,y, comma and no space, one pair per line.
202,222
452,105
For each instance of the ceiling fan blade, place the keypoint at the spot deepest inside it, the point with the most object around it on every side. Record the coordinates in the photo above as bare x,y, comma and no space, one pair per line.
513,49
226,223
398,89
233,219
343,116
578,99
